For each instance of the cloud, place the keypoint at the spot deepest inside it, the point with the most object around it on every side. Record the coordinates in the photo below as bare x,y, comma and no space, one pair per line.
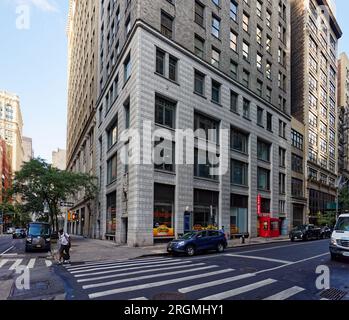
44,5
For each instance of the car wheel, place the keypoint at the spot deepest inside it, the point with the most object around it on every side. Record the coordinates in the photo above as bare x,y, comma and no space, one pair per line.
190,250
305,238
292,239
333,257
220,248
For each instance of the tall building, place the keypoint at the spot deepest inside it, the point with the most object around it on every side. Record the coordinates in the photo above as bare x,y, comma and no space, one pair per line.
82,83
343,107
59,159
11,126
217,65
28,149
315,34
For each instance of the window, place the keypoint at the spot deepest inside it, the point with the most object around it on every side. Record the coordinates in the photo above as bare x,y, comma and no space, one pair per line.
203,163
268,70
245,22
172,68
260,116
127,114
234,99
282,157
216,2
239,173
112,169
234,11
215,26
269,122
297,188
268,18
246,51
259,9
160,61
282,129
312,120
312,174
246,78
233,41
215,57
263,179
239,141
259,35
128,25
127,68
259,62
312,156
233,69
323,145
216,91
312,102
199,46
165,112
297,163
166,25
208,125
263,151
199,83
112,134
164,157
259,87
268,94
199,13
282,183
268,44
246,108
312,139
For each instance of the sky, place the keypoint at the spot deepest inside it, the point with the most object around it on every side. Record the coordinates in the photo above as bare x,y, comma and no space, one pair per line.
33,64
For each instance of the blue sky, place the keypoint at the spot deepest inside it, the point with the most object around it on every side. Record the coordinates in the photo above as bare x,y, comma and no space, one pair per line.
33,64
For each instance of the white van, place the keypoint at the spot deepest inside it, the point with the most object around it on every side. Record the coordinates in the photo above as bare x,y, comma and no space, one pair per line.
340,238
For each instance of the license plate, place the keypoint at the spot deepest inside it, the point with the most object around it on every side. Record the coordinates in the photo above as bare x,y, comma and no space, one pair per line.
38,246
346,254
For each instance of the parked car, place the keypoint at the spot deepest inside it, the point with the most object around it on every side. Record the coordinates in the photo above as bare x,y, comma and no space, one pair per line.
19,234
39,237
326,232
305,232
339,246
195,241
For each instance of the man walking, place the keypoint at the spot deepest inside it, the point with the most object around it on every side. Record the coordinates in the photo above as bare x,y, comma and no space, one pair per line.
64,241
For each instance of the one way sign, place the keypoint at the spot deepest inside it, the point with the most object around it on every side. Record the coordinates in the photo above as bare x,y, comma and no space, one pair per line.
66,204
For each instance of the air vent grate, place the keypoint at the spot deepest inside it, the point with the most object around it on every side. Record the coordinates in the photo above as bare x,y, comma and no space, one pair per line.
333,294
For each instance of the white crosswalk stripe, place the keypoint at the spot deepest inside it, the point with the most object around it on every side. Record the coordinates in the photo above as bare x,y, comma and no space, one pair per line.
288,293
237,291
131,278
31,263
16,264
3,262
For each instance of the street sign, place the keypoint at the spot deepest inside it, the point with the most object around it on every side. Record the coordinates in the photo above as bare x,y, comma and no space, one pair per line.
66,204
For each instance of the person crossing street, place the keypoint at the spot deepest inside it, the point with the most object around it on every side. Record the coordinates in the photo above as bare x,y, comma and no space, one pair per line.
65,244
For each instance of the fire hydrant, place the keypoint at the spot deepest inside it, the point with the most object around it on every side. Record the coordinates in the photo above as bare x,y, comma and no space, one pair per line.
243,239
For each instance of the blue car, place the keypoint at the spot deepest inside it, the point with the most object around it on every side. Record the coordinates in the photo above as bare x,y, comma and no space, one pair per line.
195,241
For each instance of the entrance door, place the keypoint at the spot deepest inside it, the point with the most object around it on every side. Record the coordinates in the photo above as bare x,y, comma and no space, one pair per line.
204,216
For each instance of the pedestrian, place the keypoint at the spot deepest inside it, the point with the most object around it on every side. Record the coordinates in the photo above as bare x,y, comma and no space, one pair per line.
65,244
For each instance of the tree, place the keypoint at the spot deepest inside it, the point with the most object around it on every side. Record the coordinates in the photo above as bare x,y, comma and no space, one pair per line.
344,199
39,182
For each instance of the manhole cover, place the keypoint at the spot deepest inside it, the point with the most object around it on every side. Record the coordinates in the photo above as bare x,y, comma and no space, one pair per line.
169,296
333,294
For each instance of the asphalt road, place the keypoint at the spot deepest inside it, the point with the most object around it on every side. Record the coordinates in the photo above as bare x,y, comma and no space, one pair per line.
283,271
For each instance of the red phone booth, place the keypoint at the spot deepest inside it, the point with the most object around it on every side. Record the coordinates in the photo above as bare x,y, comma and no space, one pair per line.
268,227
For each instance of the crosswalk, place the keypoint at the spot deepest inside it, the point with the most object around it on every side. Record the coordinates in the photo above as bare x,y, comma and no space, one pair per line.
196,279
12,264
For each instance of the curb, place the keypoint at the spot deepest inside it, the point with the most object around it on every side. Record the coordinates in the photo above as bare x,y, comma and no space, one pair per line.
229,247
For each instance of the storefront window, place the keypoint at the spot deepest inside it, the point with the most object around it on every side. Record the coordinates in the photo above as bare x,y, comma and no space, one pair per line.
205,215
238,215
163,211
111,213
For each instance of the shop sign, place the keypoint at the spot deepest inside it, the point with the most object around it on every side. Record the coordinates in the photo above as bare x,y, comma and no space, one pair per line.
163,231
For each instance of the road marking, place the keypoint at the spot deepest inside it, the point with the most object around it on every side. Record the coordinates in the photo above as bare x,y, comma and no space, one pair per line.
325,299
31,263
16,264
109,283
291,263
237,291
9,254
106,263
3,262
259,258
9,249
156,284
117,266
139,298
133,268
138,272
215,283
283,295
48,263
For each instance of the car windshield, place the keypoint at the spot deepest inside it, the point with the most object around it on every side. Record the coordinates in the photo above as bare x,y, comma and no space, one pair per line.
39,230
299,228
342,224
188,235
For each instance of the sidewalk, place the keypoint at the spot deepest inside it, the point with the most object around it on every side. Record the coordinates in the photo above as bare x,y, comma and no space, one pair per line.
95,250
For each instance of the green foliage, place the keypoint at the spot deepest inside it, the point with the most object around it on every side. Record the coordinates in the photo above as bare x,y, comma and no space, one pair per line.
344,199
38,183
327,218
